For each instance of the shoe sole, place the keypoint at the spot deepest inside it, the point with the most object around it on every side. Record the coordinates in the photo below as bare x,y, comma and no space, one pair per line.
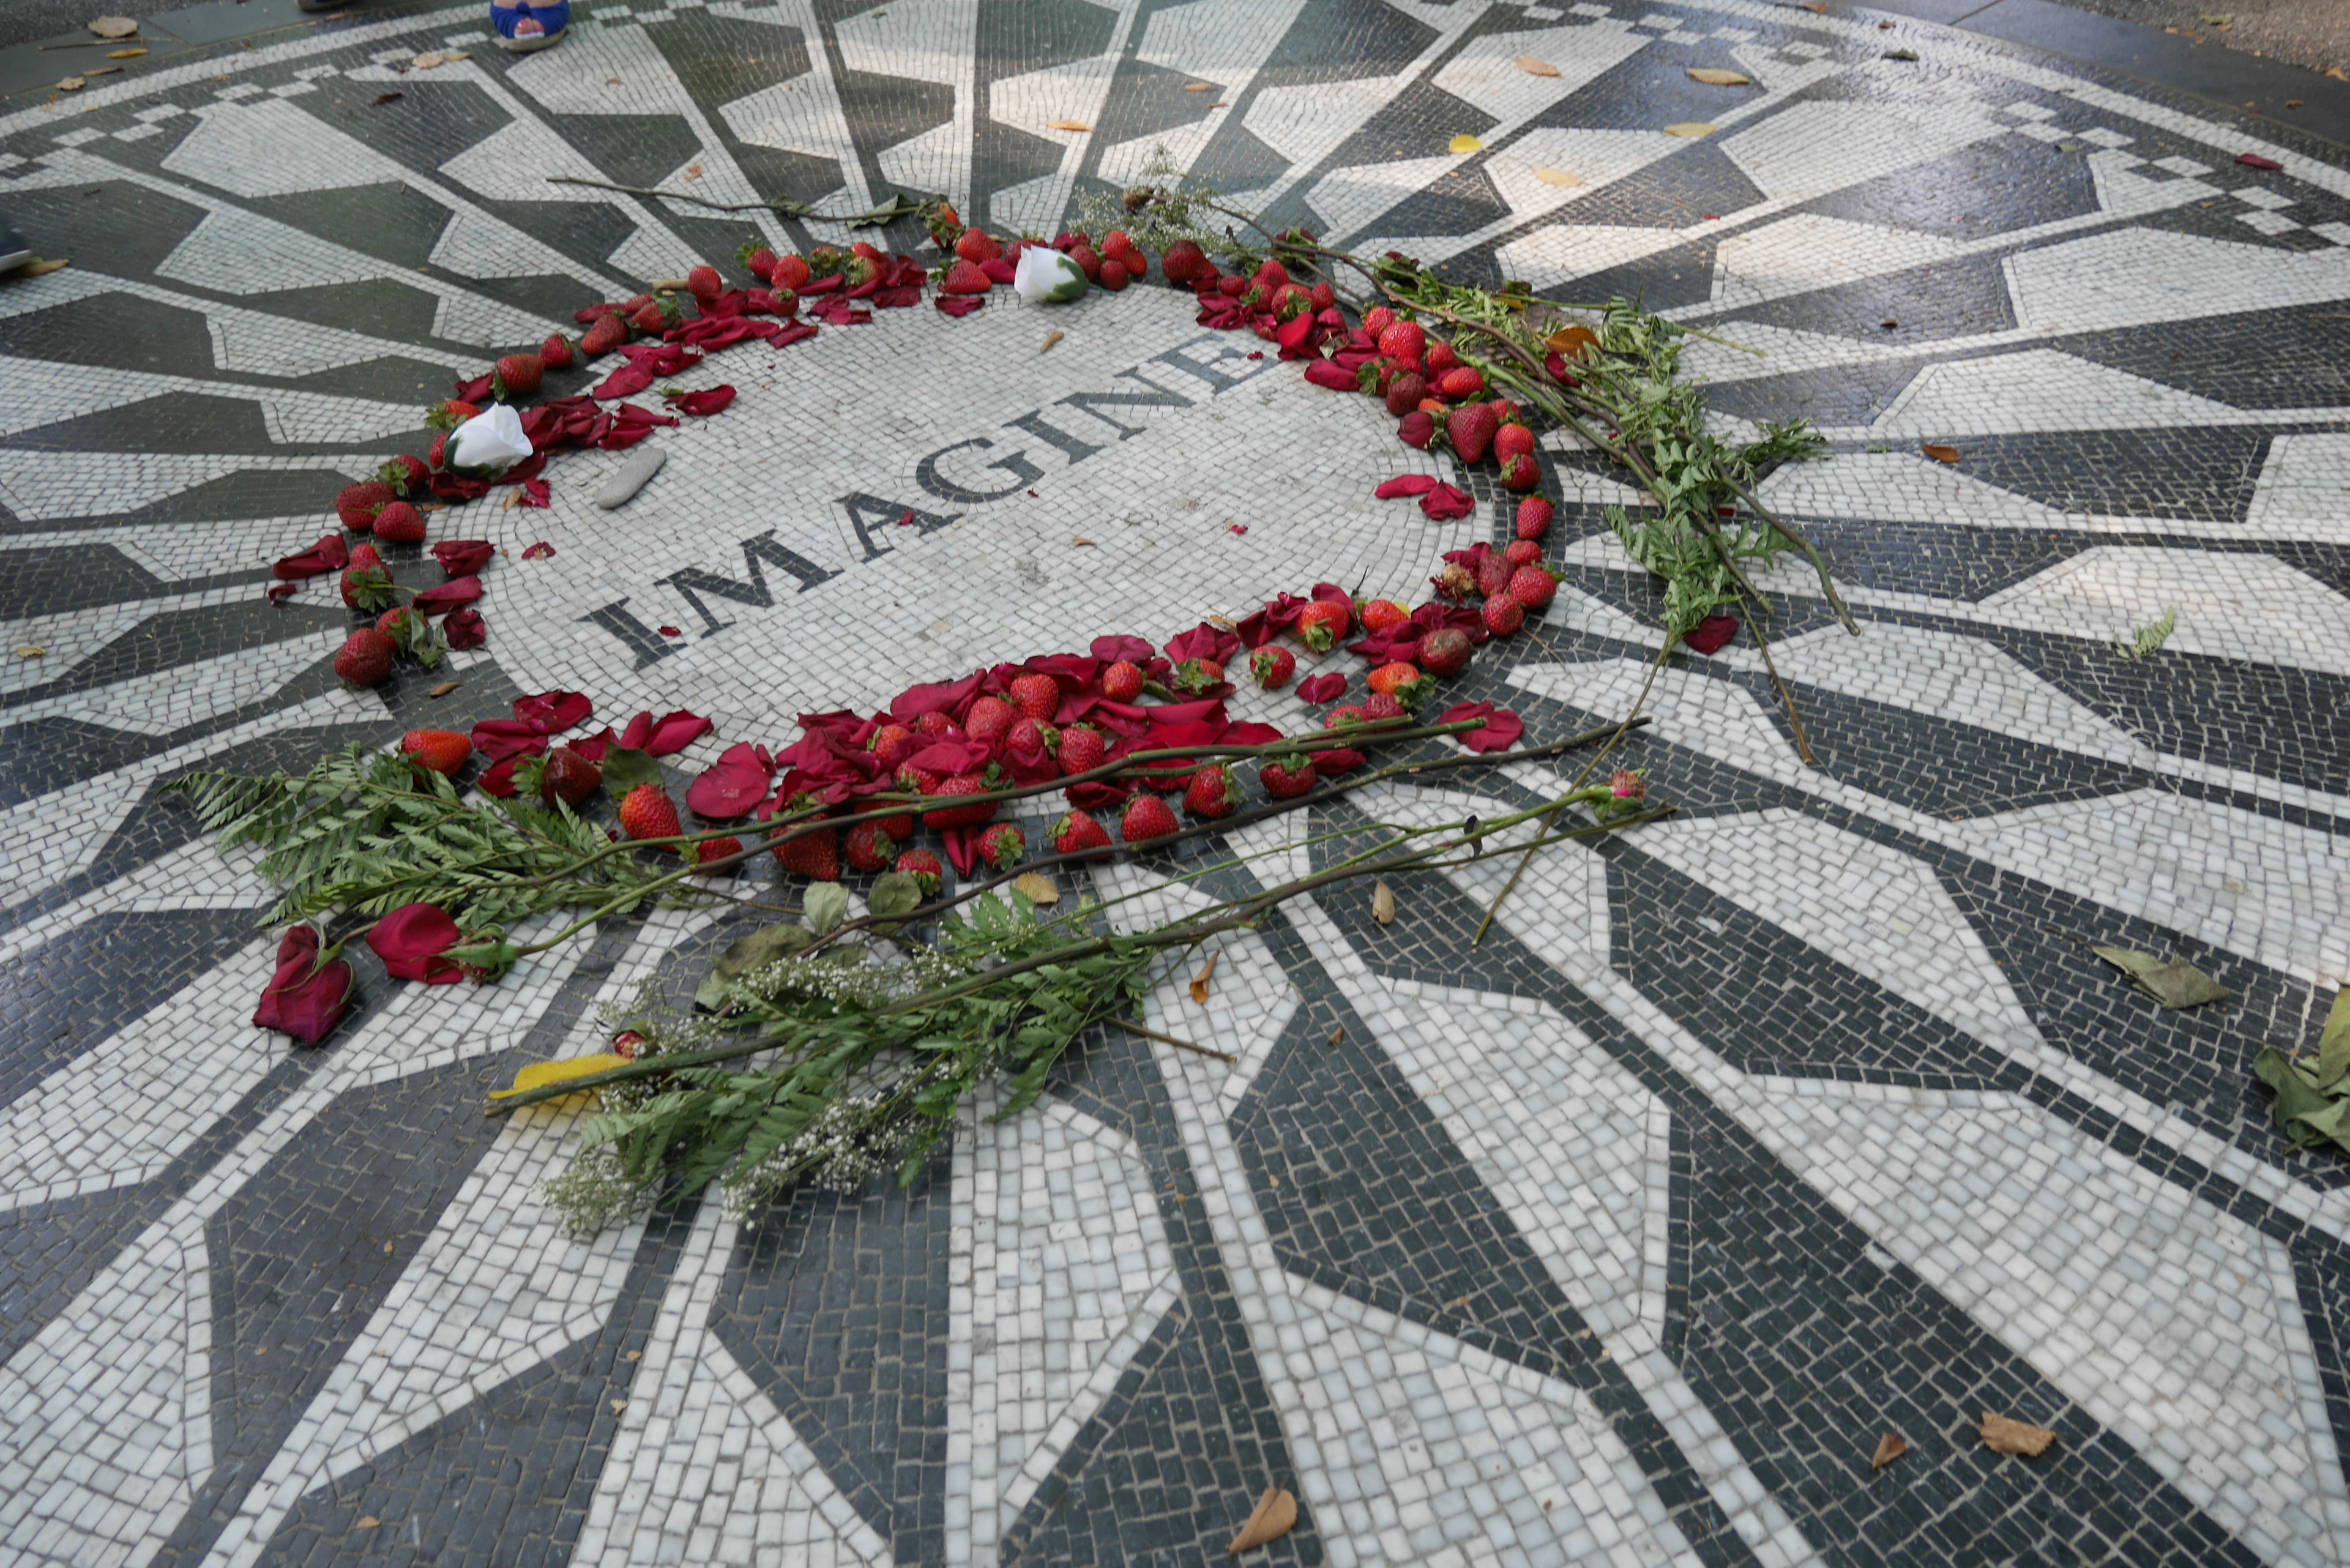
530,46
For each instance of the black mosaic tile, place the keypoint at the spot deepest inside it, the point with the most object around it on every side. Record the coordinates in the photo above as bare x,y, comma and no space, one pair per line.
2000,185
2200,473
71,577
1948,299
2290,358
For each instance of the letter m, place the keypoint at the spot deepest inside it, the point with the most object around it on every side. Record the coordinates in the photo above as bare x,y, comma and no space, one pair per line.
759,551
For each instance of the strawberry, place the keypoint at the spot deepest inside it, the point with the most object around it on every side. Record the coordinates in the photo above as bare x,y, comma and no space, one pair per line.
568,777
1379,615
1083,749
868,848
1504,614
900,827
437,452
1079,831
1290,302
989,717
1416,429
448,413
1272,276
704,284
1026,737
1338,718
960,815
1183,262
367,588
1404,394
1441,358
517,376
443,751
711,850
1037,696
964,277
891,745
1113,274
647,812
857,271
1196,677
920,863
814,855
365,658
1534,517
1003,846
1272,667
1323,296
411,633
358,503
1122,682
790,272
1521,551
1513,440
1493,575
1399,681
1378,319
400,523
1404,340
1380,707
757,260
365,556
1533,587
976,246
1459,383
650,318
932,725
406,476
916,781
1471,430
1445,651
1520,473
1146,817
607,334
1211,792
1323,623
1287,774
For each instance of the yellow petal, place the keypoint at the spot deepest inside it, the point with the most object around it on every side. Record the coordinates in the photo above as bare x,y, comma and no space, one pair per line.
539,1074
1692,129
1535,68
1465,144
1713,77
1066,125
1559,177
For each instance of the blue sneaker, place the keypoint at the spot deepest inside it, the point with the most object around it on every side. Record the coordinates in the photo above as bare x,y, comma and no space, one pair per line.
523,27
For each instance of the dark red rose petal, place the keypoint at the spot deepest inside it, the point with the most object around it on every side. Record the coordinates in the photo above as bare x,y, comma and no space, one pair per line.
538,552
556,710
1406,485
455,594
1710,635
410,940
713,401
1320,688
1329,374
2254,160
731,786
958,305
1443,503
463,629
462,557
328,554
1499,732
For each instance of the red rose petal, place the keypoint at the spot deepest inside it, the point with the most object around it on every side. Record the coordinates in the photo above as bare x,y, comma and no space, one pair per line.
1499,734
1443,503
2254,160
1406,485
538,552
731,786
713,401
410,940
462,557
1325,373
958,305
1710,635
1316,689
455,594
555,710
463,629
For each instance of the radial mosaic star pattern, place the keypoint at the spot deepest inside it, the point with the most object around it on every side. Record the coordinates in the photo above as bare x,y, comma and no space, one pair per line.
1803,1117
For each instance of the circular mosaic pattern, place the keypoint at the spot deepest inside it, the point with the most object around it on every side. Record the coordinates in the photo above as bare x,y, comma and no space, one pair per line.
1623,1233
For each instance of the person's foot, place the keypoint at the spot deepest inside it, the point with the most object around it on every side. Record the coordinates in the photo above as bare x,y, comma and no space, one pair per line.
14,252
523,27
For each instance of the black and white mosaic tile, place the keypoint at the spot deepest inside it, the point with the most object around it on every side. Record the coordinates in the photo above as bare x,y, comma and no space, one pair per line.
1621,1236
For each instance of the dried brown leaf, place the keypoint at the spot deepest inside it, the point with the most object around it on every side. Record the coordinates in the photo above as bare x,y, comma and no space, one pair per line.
1223,622
114,27
634,1356
1690,129
1383,903
1535,68
1051,338
1199,86
1889,1447
1084,544
1942,453
1036,888
1338,1034
1558,177
444,689
366,1521
43,268
31,650
1814,7
1066,125
1572,342
1199,980
1274,1516
71,84
693,173
1713,75
2001,1436
619,1406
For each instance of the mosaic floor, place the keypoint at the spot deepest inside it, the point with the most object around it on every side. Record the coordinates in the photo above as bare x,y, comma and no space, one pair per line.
1798,1118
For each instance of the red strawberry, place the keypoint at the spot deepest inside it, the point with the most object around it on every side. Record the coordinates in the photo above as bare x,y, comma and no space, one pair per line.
607,334
891,745
1037,696
1339,716
1378,319
964,277
1183,261
960,815
448,414
568,777
1521,551
1003,846
1113,274
704,284
757,260
365,658
1520,473
989,717
1418,429
1404,340
790,272
1493,575
1083,749
711,850
1323,296
1533,587
932,725
1272,667
1504,614
437,452
1441,358
1196,677
1471,430
517,375
1445,651
975,247
1534,517
920,864
1323,623
1513,440
647,812
814,855
400,523
367,588
900,827
1404,394
443,751
1146,817
365,556
1380,707
1211,792
916,781
406,476
1287,774
1399,681
1461,382
1379,615
649,317
868,848
1122,682
1079,831
1026,737
358,504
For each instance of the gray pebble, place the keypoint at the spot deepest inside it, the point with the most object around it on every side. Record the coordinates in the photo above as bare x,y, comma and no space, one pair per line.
633,476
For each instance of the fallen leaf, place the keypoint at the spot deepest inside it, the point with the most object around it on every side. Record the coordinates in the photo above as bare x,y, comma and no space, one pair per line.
384,97
1535,68
611,82
1689,129
105,71
1814,7
2289,103
1220,104
1558,177
2334,1043
1273,1517
1900,54
1464,144
1199,980
1383,903
366,1521
2001,1436
1888,324
2176,984
619,1406
1338,1034
387,1246
1051,338
2338,73
1066,125
444,689
134,54
115,27
1713,75
1086,544
634,1356
539,1074
1889,1447
1223,622
1199,86
2254,160
1572,341
30,650
1942,453
1036,888
693,173
2210,20
71,84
